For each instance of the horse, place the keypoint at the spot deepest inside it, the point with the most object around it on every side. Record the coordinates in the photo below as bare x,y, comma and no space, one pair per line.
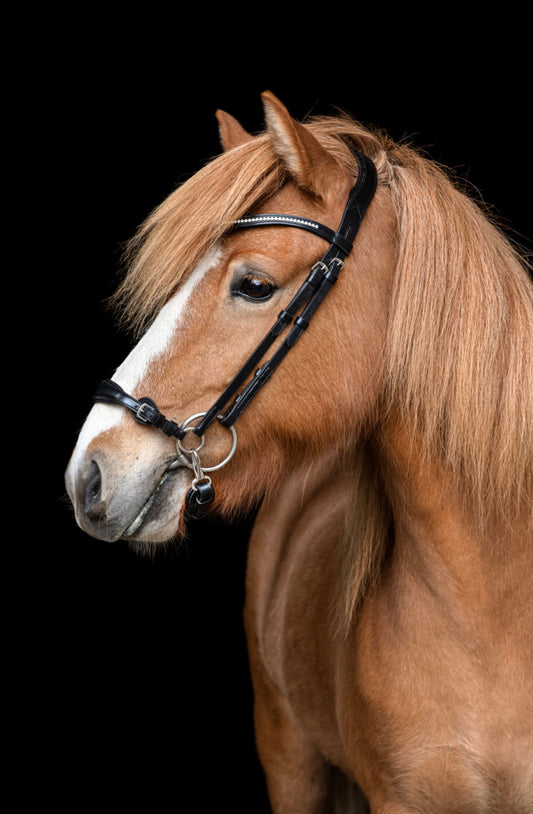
388,451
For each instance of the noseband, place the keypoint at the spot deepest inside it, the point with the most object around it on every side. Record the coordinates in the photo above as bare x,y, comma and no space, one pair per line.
305,302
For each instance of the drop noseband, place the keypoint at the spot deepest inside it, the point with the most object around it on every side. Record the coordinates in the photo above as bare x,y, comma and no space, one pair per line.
299,311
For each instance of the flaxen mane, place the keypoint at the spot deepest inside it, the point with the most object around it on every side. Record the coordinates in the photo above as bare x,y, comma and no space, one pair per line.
458,359
459,353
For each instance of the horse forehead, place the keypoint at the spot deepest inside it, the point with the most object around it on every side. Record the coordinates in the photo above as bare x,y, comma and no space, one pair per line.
160,334
278,247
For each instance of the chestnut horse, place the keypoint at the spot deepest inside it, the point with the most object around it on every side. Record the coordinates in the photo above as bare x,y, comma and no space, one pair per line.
389,609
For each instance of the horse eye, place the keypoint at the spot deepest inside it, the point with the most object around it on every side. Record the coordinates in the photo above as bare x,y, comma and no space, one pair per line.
255,288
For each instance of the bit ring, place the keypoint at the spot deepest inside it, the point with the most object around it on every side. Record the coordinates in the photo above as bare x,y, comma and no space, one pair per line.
187,452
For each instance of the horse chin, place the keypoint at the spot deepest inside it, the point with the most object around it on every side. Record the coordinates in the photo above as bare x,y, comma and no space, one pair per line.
161,518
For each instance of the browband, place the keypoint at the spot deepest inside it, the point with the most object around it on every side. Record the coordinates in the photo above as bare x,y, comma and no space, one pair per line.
313,226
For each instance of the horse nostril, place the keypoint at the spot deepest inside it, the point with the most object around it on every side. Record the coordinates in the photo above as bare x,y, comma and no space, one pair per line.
93,490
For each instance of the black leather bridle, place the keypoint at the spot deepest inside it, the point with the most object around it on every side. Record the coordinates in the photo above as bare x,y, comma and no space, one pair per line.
300,311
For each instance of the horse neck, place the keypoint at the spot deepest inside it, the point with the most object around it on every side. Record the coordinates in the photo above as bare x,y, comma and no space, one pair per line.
440,544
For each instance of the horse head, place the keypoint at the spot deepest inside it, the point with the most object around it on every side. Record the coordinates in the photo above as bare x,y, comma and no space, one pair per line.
211,292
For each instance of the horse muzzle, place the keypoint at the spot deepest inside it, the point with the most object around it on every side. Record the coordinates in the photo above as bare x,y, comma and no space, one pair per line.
121,502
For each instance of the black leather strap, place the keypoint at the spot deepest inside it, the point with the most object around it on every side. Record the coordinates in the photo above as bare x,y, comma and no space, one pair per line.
263,374
313,226
145,411
284,319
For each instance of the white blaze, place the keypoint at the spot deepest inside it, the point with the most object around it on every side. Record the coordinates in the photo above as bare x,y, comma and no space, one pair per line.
155,341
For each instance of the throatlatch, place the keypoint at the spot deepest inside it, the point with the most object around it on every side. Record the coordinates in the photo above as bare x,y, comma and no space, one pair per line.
305,302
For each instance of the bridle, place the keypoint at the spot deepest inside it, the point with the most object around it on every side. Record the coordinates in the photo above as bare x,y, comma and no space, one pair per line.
305,302
299,311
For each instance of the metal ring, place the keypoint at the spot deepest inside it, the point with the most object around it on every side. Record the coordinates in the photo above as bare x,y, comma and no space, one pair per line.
188,450
228,457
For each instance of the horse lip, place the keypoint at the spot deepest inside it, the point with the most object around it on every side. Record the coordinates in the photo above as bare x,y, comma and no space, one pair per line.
135,524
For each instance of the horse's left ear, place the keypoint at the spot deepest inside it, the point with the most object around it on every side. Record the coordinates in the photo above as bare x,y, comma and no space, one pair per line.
309,164
232,134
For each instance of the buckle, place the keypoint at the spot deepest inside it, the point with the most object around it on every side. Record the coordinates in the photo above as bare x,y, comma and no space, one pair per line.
146,412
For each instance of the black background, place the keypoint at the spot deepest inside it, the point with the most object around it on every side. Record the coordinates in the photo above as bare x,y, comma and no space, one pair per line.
130,675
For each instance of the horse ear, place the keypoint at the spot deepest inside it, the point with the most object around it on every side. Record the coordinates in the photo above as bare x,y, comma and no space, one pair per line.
231,132
310,165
